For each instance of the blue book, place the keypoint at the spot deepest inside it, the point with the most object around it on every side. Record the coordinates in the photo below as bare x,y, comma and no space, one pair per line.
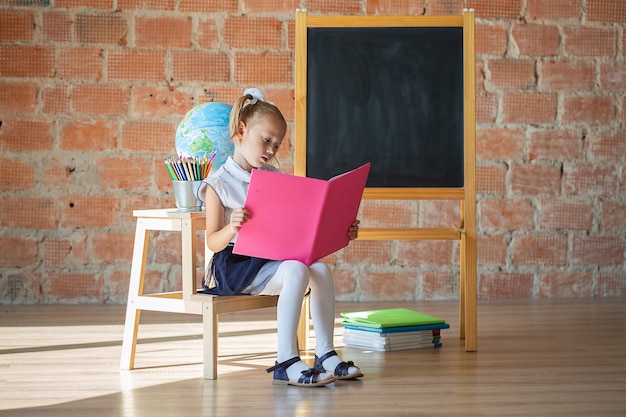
353,326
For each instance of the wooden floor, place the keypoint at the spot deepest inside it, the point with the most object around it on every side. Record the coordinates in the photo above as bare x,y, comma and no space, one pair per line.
535,358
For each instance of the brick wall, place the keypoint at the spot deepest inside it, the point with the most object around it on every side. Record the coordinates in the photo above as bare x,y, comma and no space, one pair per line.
90,87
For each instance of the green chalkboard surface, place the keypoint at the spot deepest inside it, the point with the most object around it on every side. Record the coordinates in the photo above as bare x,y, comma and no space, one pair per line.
392,96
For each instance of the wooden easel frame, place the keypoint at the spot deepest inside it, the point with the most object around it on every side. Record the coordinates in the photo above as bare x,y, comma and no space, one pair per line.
465,195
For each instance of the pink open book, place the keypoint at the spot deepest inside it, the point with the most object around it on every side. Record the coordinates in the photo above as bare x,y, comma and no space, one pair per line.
299,218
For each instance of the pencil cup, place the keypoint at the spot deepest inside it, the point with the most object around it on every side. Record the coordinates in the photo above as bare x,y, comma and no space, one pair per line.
186,194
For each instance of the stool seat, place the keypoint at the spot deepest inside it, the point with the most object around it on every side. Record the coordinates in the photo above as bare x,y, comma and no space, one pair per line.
187,300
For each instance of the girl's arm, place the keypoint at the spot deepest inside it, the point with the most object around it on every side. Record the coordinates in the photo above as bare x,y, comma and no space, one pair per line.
218,235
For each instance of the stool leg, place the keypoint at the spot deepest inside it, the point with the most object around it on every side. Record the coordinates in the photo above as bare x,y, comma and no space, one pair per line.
135,288
209,344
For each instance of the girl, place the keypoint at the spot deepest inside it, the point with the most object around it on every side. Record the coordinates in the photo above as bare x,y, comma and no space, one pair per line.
257,128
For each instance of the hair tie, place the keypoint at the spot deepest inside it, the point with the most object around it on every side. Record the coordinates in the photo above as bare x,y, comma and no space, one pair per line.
256,95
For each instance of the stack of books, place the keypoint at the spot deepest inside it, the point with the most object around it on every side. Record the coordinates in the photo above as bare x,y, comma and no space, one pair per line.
392,329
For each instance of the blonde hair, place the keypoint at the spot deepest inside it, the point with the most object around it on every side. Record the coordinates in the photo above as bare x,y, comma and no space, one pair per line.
247,107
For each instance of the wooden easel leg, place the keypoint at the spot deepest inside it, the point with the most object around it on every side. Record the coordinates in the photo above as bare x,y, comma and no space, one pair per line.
303,325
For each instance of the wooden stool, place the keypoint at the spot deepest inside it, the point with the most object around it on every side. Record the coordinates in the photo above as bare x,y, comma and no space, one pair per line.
187,300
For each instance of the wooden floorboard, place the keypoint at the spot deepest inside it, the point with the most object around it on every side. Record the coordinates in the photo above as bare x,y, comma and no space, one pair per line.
535,358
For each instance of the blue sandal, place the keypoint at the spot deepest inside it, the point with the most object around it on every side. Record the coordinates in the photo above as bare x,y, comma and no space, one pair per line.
310,377
342,371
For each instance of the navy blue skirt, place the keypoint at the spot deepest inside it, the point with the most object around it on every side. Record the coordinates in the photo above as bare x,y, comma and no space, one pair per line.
231,273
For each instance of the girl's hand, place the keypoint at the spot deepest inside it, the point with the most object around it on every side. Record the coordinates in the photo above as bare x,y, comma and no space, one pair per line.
353,231
238,218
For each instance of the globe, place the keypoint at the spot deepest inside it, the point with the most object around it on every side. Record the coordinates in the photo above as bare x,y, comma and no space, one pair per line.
204,130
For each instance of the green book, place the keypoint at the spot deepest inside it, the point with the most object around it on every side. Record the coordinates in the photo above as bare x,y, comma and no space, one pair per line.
393,317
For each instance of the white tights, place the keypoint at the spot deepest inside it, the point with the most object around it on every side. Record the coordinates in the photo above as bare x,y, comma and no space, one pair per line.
291,281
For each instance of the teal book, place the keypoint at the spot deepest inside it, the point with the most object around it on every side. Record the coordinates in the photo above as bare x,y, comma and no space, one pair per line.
393,317
398,329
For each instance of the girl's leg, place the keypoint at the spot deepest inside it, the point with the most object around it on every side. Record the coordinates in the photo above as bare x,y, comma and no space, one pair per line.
323,316
290,281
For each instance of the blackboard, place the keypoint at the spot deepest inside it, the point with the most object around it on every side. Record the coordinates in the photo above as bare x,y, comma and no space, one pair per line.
392,96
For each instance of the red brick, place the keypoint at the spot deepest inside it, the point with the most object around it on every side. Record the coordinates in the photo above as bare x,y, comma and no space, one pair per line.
446,7
21,288
28,213
529,108
263,68
96,4
136,65
566,214
162,31
17,25
124,173
486,107
536,40
598,251
18,252
511,9
137,202
367,252
388,213
344,7
388,7
440,285
540,250
505,214
25,135
284,99
613,76
607,146
613,216
167,248
111,248
26,61
561,144
90,211
160,101
491,250
207,6
149,136
200,66
439,213
16,174
565,284
512,74
101,28
425,252
57,26
146,4
495,285
553,9
56,99
605,11
534,179
73,288
388,286
18,97
588,179
491,179
55,253
490,40
345,282
593,110
590,41
566,75
207,34
252,33
80,63
499,144
55,174
88,135
611,284
97,99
